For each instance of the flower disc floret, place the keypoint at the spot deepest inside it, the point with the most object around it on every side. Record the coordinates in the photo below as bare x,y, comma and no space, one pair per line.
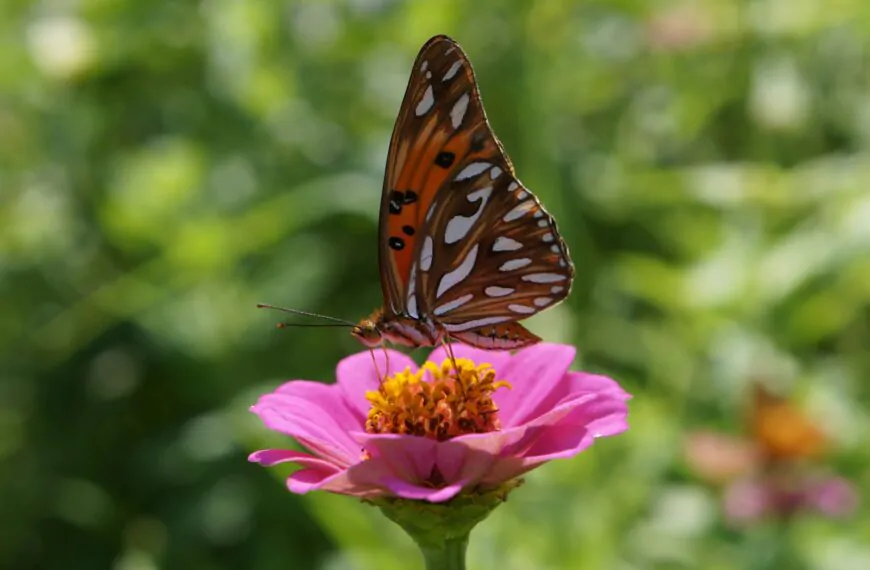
437,402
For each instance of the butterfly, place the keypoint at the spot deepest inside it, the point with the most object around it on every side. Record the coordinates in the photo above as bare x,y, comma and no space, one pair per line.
465,250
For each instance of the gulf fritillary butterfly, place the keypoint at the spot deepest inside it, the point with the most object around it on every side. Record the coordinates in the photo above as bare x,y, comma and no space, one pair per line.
465,250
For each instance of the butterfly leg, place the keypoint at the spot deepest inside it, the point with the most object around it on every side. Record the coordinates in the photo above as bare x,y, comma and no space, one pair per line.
386,360
381,378
446,342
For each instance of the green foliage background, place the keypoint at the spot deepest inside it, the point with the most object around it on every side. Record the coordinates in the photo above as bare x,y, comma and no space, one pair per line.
165,165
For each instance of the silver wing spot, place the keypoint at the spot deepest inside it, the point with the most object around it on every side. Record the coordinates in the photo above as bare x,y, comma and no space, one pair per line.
426,254
411,307
555,248
514,264
503,243
468,325
495,172
555,290
519,211
543,277
512,186
521,195
454,304
543,223
547,237
472,170
452,71
496,291
425,103
459,226
431,211
411,304
457,113
459,274
521,309
542,301
424,66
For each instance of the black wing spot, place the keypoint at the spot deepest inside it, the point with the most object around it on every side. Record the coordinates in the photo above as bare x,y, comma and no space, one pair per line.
478,139
396,243
408,230
445,159
410,197
396,200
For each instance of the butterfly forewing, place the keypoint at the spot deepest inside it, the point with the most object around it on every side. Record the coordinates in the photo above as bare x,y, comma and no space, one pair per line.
441,125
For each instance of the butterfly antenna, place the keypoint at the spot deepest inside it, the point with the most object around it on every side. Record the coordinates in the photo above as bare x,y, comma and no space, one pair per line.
339,322
284,325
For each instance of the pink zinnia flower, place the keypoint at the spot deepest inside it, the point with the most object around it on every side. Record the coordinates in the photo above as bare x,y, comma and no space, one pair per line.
427,433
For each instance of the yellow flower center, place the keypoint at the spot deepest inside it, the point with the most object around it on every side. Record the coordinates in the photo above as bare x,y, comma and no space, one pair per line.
447,404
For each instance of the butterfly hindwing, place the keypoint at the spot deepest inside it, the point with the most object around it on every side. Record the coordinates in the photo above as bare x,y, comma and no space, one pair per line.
505,336
441,125
491,254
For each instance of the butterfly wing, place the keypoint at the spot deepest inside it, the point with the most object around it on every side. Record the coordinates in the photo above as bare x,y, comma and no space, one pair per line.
491,255
441,126
486,252
462,240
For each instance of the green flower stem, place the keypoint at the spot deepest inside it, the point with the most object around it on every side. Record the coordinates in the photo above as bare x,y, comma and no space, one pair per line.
450,555
441,530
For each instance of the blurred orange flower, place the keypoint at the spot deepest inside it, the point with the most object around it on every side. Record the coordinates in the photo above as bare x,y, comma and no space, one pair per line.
774,471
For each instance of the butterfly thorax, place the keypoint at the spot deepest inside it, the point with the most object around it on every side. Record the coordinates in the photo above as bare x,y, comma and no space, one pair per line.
397,329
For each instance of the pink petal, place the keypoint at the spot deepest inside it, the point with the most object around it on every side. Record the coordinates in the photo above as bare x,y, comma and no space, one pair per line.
370,478
585,382
536,374
409,458
833,497
361,373
270,457
313,473
313,414
321,401
563,433
497,358
412,461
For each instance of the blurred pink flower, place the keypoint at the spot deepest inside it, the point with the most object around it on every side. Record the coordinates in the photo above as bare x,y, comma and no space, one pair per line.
719,458
773,471
478,434
757,497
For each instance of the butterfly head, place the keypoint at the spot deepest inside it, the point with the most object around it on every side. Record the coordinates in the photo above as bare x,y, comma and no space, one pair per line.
368,332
